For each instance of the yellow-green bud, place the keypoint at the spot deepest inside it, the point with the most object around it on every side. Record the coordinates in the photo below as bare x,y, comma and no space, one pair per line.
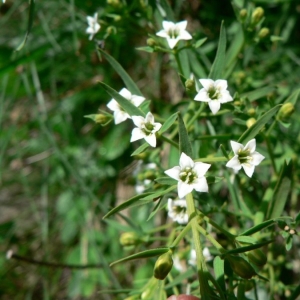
102,118
241,267
257,257
257,15
243,14
163,265
251,112
286,110
129,239
190,84
250,122
151,42
114,3
263,32
111,30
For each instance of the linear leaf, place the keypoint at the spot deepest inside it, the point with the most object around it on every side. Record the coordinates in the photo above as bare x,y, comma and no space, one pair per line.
293,98
130,84
165,181
143,254
258,93
126,105
219,271
217,68
184,142
169,122
251,132
247,248
159,193
140,149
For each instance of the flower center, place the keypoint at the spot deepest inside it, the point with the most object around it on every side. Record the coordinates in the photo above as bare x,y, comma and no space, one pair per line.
213,93
244,156
173,33
148,128
179,210
188,175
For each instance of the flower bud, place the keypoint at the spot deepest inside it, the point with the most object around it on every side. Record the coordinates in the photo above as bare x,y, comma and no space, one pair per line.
286,110
257,15
147,294
250,122
190,85
102,118
243,14
263,32
163,265
257,257
111,30
241,267
251,112
129,239
151,42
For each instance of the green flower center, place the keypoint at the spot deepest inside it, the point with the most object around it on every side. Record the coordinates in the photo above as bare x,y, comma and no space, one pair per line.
148,128
213,93
180,210
188,175
244,156
173,33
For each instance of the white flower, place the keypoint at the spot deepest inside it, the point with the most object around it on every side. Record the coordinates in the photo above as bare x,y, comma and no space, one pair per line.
213,92
245,157
174,32
193,258
190,175
93,26
120,115
177,211
146,129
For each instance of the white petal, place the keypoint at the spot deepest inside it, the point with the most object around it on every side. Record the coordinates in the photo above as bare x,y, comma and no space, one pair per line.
150,139
90,20
207,83
185,161
221,84
163,34
120,116
180,202
138,121
173,172
236,147
113,105
149,118
181,25
172,42
201,168
251,145
214,106
156,127
183,189
90,30
234,163
125,93
256,158
137,100
137,134
201,185
225,97
184,35
202,96
249,169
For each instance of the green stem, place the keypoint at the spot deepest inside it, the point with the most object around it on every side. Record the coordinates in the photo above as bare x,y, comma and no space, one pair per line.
205,290
196,115
178,63
169,141
181,235
211,159
269,147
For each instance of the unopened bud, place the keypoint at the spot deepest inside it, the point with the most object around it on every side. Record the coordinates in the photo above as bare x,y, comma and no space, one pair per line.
257,15
129,239
285,111
190,85
251,112
241,267
102,118
114,3
111,30
263,32
250,122
151,42
243,14
257,257
163,265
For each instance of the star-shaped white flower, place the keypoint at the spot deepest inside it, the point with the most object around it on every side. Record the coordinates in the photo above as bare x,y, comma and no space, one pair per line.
177,211
190,175
245,157
120,115
146,129
174,32
93,25
213,92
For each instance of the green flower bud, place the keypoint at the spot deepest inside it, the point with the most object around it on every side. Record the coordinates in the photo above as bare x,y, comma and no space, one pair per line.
147,294
251,112
250,122
257,257
263,32
257,15
163,265
243,14
190,85
241,267
129,239
286,110
111,30
102,118
151,42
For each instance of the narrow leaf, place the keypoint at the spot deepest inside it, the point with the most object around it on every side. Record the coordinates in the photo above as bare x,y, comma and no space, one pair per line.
126,105
143,254
159,193
293,98
251,132
130,84
246,239
165,181
219,272
169,122
140,149
258,93
184,142
247,248
199,43
217,68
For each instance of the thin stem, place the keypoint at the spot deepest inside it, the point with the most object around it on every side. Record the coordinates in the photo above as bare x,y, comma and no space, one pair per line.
181,235
269,147
169,141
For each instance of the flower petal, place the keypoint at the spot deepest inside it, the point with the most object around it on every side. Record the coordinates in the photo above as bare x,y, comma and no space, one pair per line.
137,134
184,35
185,161
207,83
200,185
163,34
214,106
249,169
201,168
256,158
138,121
225,97
151,139
202,96
137,100
234,163
172,42
120,116
181,25
113,105
149,118
236,146
173,172
156,127
221,84
183,189
251,145
125,93
167,25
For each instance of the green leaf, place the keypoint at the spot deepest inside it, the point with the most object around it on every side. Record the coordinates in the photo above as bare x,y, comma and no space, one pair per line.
180,278
219,272
217,68
246,248
246,239
281,192
143,254
258,93
124,103
184,61
169,122
155,210
159,193
130,84
184,142
251,132
140,149
165,181
165,10
146,49
29,25
293,98
199,43
130,202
